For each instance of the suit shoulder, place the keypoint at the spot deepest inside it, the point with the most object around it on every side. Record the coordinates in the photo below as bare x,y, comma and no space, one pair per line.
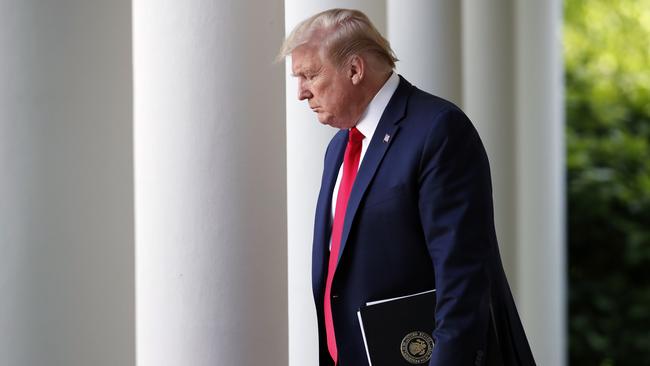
424,102
428,112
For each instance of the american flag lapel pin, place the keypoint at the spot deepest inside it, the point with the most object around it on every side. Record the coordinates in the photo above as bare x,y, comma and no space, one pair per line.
386,138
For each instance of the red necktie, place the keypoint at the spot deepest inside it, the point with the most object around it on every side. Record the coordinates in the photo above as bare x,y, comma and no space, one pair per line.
350,166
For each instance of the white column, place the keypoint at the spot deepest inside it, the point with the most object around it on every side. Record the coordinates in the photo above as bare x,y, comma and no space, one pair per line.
306,143
66,201
426,37
489,101
512,90
541,177
210,183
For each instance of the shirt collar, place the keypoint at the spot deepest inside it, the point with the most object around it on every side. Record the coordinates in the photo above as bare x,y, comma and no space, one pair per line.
370,117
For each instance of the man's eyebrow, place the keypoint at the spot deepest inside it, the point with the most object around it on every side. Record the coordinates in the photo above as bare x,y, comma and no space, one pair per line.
299,73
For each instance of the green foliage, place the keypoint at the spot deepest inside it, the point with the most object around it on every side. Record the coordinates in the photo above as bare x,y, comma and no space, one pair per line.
607,57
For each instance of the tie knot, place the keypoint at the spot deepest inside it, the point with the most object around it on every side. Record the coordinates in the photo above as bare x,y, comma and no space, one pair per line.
355,135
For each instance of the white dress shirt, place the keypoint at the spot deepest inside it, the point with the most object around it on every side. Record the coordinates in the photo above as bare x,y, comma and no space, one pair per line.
368,124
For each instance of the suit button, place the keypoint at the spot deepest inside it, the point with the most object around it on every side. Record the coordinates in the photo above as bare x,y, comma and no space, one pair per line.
335,296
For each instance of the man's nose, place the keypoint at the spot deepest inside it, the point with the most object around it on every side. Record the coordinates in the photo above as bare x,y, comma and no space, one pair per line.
303,91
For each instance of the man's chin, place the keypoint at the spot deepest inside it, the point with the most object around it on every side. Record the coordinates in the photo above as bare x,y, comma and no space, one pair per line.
326,120
331,121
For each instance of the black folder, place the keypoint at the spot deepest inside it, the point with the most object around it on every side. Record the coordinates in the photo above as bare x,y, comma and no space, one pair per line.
397,331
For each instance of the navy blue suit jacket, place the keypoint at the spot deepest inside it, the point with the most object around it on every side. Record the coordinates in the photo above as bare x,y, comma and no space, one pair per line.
419,217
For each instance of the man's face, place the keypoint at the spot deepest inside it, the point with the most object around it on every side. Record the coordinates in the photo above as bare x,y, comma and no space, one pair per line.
328,90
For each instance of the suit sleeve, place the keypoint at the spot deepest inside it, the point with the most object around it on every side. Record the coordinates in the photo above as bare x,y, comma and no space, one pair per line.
455,207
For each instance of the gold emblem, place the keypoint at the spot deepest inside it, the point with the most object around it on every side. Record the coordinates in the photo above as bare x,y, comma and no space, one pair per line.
417,347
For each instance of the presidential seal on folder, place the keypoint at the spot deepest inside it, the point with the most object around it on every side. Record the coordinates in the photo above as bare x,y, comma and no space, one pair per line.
417,347
397,331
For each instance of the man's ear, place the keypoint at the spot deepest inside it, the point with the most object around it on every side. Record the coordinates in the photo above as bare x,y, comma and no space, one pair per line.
356,69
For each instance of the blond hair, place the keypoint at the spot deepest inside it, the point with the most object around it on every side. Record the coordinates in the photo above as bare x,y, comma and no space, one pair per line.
340,34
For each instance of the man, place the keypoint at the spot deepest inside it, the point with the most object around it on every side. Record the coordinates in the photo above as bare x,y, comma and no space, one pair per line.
405,203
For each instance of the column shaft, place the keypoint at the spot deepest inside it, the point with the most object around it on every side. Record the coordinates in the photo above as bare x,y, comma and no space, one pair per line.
210,184
489,101
66,206
541,178
426,36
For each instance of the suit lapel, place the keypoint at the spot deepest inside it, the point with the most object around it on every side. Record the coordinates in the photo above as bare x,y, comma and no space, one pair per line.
323,224
384,135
